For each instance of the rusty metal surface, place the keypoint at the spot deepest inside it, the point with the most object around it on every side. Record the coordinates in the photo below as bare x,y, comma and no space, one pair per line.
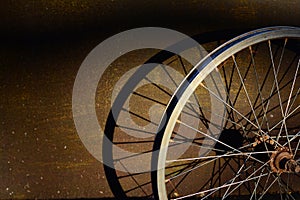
41,156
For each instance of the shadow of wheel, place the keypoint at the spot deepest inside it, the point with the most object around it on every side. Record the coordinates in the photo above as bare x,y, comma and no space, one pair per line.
126,185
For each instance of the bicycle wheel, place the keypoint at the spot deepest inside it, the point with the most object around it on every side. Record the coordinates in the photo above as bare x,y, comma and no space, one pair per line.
246,141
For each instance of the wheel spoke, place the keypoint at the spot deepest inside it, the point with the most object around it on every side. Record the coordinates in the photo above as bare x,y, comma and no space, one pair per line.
275,72
220,156
249,178
267,189
247,94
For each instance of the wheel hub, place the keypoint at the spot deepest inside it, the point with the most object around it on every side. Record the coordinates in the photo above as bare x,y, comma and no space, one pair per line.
282,161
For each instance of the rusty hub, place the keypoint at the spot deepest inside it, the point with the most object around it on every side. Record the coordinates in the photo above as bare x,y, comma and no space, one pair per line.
282,161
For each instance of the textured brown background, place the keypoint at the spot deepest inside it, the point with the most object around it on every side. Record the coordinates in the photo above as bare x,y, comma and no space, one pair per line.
43,44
